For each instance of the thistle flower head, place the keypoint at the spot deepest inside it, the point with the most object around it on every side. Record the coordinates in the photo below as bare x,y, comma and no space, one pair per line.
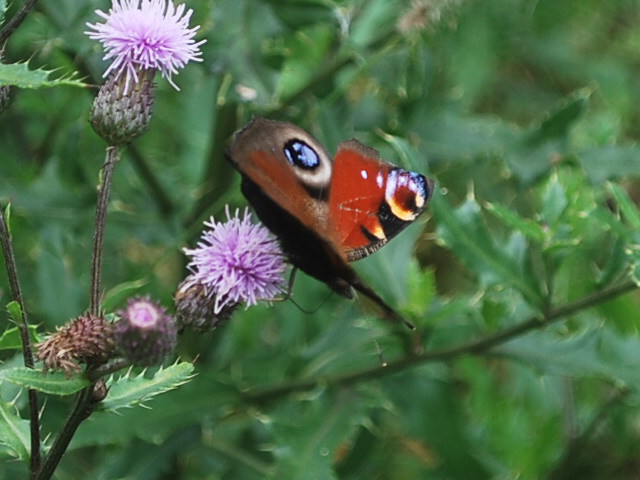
145,333
86,339
236,261
146,35
196,307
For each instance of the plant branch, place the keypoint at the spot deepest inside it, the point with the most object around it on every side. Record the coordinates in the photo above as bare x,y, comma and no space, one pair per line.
81,410
104,189
17,19
23,327
476,346
107,368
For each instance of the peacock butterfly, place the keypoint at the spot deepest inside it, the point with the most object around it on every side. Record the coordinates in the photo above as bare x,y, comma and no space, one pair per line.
326,213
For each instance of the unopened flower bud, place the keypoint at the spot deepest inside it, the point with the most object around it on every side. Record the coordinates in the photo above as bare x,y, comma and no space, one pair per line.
196,308
145,333
122,110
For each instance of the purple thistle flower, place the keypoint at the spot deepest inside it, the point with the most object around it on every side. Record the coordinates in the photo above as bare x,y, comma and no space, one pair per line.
237,261
146,35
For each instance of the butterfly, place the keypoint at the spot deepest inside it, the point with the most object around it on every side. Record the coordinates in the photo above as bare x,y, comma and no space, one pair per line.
326,213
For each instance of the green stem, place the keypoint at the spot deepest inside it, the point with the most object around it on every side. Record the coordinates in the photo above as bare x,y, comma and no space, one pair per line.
17,19
104,189
81,410
23,327
476,346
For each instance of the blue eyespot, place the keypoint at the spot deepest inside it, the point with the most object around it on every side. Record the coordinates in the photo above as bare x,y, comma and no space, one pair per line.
301,155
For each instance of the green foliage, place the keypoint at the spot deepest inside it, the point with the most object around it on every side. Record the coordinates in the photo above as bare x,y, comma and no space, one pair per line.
19,75
522,278
54,383
10,338
14,433
129,390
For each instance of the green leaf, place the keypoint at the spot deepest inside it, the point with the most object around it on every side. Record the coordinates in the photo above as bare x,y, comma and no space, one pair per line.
3,9
19,75
15,312
463,230
610,161
628,209
558,121
129,390
14,432
10,338
312,432
54,383
512,219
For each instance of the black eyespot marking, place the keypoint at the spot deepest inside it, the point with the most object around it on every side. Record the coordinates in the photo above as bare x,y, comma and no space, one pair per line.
301,155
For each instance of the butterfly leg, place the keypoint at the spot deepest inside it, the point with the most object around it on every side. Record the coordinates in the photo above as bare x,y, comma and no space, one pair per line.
288,292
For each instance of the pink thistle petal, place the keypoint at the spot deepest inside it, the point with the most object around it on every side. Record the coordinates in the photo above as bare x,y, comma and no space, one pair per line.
237,261
144,35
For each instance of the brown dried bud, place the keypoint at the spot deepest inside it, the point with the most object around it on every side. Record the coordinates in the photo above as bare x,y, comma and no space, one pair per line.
87,339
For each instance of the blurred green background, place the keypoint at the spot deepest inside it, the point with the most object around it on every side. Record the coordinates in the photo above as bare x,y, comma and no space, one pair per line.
526,115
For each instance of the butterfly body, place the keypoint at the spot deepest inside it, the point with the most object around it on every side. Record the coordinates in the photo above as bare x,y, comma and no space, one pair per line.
325,213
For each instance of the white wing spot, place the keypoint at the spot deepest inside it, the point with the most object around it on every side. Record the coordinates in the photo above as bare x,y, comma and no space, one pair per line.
363,174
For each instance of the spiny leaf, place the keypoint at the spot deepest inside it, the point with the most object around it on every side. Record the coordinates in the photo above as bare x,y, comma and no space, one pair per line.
464,231
10,338
54,383
558,122
128,390
510,218
14,432
19,75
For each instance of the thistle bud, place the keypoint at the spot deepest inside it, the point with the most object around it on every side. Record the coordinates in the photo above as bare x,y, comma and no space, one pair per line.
122,110
196,307
87,339
145,334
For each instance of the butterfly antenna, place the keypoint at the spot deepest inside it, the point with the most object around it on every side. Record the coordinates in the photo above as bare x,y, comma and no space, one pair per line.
389,313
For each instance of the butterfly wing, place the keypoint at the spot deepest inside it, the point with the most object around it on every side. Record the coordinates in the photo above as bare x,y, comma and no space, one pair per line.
287,164
371,201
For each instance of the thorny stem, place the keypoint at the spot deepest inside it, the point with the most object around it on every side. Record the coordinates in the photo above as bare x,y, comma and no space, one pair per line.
476,346
27,350
81,410
17,19
104,189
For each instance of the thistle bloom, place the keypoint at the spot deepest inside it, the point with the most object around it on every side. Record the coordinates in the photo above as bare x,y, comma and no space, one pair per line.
146,35
145,333
236,261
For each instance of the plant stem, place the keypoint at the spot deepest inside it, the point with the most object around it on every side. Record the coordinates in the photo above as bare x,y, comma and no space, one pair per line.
27,350
104,189
480,345
107,368
81,410
17,19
